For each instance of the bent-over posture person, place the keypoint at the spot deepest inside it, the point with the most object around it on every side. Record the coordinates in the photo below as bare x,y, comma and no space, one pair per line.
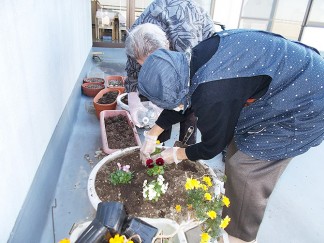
184,24
283,79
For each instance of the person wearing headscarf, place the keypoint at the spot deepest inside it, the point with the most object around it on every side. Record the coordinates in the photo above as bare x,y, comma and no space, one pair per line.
183,25
283,81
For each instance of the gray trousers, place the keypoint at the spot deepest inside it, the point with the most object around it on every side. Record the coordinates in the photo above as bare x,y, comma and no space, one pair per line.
249,185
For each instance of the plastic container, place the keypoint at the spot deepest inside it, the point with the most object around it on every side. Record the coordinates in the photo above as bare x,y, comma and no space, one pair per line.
111,113
110,218
136,226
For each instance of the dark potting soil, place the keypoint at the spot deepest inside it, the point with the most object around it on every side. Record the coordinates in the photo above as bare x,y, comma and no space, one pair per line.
131,194
119,133
94,86
108,97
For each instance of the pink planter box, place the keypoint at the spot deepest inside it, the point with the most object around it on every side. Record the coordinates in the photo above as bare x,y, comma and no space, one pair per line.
111,113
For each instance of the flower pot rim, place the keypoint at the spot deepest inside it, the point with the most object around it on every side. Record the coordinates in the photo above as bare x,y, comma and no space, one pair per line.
102,80
104,91
90,83
120,103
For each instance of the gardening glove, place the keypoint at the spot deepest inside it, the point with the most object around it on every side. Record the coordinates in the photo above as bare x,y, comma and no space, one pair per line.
148,147
136,109
169,155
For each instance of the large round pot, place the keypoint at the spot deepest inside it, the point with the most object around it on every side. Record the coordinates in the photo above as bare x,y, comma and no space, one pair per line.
95,200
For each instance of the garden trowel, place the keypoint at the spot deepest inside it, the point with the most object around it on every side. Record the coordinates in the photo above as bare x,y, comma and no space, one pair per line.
183,143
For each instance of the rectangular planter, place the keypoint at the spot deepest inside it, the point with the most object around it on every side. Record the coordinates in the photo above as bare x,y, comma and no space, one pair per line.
111,113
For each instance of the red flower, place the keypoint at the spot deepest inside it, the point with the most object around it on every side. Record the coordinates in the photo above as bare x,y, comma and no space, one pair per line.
159,161
149,163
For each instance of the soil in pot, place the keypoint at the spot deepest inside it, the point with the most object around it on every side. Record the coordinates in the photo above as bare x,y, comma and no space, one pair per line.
119,134
115,83
94,80
108,97
131,194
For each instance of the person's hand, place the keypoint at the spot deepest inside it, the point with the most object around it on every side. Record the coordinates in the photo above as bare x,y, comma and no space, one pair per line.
136,109
148,147
169,155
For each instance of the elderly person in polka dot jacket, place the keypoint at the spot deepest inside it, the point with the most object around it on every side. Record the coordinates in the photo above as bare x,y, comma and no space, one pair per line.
255,91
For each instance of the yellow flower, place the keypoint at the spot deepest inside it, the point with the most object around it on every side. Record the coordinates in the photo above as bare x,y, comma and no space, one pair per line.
65,240
178,208
204,187
205,237
192,184
226,201
225,222
207,196
212,214
117,239
157,142
130,241
207,180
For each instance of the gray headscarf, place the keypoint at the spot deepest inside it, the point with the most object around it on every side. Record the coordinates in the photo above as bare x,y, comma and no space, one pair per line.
164,78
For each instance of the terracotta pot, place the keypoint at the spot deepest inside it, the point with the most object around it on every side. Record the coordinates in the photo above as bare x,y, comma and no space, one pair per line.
101,107
111,113
94,80
115,81
92,92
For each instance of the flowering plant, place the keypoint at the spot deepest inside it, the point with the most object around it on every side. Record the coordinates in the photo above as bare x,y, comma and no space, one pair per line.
122,175
206,206
154,189
120,239
155,167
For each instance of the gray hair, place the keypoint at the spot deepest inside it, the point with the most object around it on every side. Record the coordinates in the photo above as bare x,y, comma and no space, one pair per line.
145,39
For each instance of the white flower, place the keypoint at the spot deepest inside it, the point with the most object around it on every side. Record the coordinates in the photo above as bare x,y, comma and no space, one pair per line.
164,188
154,189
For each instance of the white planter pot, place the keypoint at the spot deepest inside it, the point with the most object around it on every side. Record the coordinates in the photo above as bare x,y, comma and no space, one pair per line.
92,194
120,103
185,226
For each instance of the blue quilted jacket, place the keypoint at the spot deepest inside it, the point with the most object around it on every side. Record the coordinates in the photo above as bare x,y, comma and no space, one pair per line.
289,119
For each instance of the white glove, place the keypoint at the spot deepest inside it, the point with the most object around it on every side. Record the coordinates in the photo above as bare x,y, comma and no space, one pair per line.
136,109
169,155
148,147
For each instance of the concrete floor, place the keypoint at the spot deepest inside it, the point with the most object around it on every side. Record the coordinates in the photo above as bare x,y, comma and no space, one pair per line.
294,214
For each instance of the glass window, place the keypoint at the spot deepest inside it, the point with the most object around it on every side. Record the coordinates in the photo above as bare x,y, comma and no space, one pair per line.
206,4
316,12
289,30
253,24
140,5
291,10
257,9
314,37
